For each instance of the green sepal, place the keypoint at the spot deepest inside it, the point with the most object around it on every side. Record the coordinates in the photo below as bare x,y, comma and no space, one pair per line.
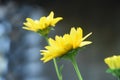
45,31
71,53
114,72
61,69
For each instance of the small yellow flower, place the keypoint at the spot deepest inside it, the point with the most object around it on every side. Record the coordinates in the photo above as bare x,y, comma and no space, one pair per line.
43,23
61,45
113,62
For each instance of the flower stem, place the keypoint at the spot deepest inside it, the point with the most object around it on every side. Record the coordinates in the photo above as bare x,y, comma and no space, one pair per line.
57,70
76,67
118,78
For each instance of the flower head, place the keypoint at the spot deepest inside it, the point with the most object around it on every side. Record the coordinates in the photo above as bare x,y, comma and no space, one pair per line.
42,24
113,62
114,65
62,45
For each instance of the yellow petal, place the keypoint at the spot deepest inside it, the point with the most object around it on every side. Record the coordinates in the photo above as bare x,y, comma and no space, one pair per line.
54,21
84,43
29,20
76,36
86,36
113,62
51,15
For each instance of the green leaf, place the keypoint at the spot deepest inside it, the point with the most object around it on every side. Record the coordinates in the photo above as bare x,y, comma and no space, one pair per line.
61,68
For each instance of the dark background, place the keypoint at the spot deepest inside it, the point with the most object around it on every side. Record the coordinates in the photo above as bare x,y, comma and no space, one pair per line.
19,49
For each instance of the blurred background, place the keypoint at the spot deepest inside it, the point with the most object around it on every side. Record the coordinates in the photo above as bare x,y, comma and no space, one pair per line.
19,49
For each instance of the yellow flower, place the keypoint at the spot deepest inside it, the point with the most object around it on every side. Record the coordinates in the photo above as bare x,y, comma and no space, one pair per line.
61,45
43,23
113,62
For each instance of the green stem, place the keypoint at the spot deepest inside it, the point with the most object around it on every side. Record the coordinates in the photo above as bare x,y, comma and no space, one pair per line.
118,78
57,71
55,63
76,67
